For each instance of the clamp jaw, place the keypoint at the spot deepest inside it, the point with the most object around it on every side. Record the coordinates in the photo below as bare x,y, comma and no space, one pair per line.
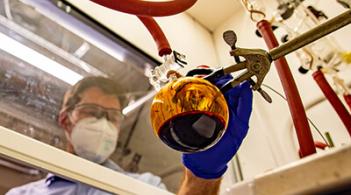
257,63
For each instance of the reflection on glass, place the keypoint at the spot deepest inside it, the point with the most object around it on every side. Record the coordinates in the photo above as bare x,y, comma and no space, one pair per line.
38,60
31,96
16,174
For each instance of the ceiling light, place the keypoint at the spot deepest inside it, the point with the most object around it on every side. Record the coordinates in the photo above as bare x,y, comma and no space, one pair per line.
132,107
38,60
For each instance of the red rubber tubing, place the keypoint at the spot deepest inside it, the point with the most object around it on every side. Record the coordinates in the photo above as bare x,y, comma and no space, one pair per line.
297,111
317,144
320,145
147,8
333,99
347,98
157,34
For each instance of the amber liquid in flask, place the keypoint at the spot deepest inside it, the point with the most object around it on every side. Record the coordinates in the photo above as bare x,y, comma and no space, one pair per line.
189,114
192,132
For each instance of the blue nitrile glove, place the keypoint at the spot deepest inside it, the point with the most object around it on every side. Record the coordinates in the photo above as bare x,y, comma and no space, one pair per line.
212,163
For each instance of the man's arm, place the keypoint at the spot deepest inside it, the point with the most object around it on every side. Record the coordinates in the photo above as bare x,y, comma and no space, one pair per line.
204,169
197,186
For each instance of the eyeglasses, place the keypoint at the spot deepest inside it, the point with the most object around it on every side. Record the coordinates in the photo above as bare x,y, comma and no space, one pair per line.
93,110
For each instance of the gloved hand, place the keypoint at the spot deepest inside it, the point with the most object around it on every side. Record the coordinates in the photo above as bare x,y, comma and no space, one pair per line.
212,163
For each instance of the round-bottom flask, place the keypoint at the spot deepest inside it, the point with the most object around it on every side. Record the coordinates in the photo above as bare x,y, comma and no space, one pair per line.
189,114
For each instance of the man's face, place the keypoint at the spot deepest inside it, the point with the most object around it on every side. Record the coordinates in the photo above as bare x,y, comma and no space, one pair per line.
93,101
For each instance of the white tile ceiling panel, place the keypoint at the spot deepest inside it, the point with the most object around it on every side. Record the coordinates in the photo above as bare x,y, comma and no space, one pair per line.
211,13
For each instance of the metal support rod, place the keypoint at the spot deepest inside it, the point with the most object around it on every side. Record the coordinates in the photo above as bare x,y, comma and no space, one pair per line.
312,35
330,140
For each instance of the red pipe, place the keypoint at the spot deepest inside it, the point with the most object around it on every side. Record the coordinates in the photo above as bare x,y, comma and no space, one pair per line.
347,98
333,99
297,111
147,8
159,37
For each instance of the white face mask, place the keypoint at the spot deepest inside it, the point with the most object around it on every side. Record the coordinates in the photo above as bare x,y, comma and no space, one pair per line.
94,139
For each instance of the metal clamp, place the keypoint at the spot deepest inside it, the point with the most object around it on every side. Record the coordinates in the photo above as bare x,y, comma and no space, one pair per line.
257,64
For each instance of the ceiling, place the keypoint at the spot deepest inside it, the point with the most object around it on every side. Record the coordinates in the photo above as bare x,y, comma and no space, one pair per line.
211,13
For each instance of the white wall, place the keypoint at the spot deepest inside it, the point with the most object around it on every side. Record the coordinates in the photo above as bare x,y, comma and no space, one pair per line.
270,141
184,34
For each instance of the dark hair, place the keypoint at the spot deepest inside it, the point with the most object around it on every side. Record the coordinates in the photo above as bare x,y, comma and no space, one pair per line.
106,85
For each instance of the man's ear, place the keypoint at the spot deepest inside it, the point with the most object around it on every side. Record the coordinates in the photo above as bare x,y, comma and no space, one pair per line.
64,121
66,125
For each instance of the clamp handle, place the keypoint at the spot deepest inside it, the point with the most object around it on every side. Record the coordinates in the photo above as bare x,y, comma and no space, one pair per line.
251,65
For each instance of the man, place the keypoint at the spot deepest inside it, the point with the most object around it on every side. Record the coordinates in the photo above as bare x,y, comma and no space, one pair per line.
91,116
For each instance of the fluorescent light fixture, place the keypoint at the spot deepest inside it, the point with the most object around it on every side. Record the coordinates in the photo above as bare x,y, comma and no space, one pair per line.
130,108
38,60
95,38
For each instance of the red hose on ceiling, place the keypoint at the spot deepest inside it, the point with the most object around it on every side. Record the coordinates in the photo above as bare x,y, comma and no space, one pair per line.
159,37
147,8
334,100
297,111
